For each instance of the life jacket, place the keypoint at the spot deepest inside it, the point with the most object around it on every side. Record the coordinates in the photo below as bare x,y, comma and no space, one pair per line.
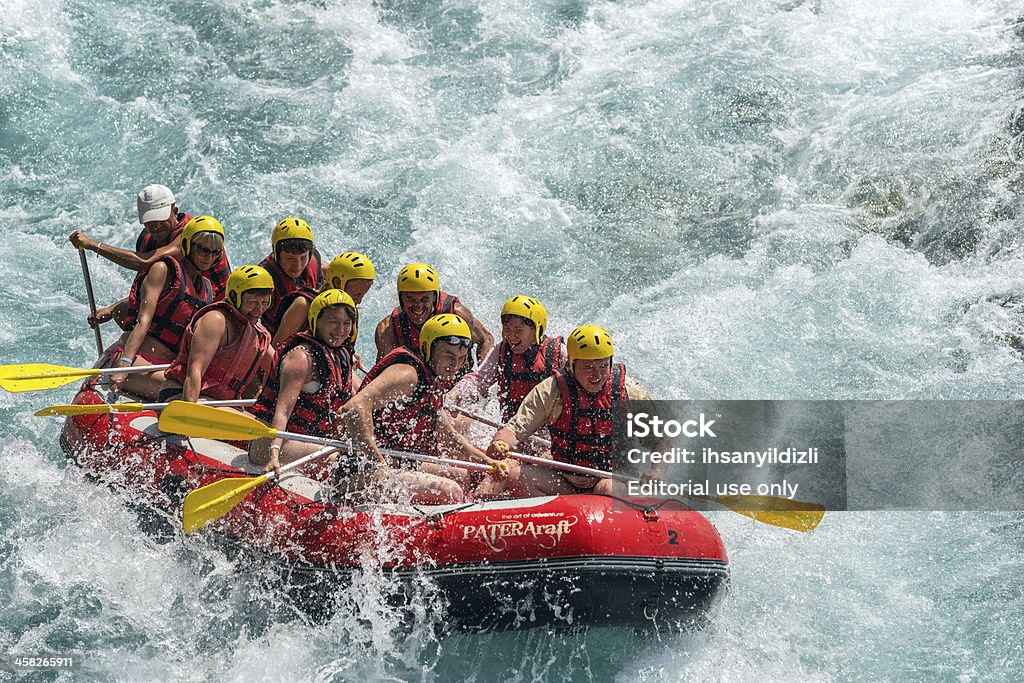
234,365
313,413
408,424
217,275
408,336
585,433
310,280
288,300
176,305
517,374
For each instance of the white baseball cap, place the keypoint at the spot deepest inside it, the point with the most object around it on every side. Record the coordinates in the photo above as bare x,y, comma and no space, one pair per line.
155,202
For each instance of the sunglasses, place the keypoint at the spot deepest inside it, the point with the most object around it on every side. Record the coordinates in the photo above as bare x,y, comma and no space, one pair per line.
203,251
457,341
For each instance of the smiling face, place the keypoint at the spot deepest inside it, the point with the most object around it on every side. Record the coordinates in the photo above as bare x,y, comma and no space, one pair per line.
205,250
518,333
447,360
592,374
255,303
334,326
419,306
293,263
159,230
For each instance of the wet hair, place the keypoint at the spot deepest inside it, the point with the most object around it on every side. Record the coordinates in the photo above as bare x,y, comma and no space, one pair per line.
353,313
208,239
294,246
258,292
505,319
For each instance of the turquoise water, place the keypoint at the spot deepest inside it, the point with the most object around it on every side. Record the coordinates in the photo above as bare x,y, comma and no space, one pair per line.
759,200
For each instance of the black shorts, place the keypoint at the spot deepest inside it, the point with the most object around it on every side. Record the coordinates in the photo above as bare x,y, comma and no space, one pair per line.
169,394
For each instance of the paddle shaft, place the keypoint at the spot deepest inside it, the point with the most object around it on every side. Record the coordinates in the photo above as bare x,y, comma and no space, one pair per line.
233,403
403,455
92,297
129,369
568,467
108,408
326,450
492,423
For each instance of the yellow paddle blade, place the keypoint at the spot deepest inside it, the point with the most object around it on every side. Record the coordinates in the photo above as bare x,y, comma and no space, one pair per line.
193,419
215,500
94,409
32,370
781,512
34,376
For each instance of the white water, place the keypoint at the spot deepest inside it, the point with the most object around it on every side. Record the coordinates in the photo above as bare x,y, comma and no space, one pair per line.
758,200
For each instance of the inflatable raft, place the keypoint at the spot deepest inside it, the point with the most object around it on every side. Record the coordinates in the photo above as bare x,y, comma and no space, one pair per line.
561,561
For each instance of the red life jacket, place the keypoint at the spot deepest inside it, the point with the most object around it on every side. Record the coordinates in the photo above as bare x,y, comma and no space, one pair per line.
310,280
518,374
408,424
234,365
313,413
176,305
217,275
585,433
408,336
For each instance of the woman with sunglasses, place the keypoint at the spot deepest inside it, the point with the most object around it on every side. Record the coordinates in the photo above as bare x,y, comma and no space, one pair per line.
161,304
400,407
162,224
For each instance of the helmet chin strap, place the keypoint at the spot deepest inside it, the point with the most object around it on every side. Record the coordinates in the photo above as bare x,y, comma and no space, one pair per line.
192,260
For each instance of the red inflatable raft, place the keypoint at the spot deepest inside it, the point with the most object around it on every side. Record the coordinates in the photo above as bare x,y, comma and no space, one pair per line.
557,561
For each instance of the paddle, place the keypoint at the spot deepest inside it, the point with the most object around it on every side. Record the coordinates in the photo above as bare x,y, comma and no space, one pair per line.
780,512
191,419
35,376
213,501
92,298
491,423
104,408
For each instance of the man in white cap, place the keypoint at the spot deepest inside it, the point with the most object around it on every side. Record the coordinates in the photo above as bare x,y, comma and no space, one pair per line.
162,226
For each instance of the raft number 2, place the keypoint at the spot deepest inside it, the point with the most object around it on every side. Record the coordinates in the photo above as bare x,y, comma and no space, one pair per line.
673,537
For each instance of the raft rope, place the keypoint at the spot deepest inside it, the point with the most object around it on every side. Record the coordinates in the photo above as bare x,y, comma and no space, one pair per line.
643,509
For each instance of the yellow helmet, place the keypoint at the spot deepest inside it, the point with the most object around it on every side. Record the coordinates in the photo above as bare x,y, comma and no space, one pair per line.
447,327
418,277
589,342
333,297
291,229
529,308
245,278
195,226
349,266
